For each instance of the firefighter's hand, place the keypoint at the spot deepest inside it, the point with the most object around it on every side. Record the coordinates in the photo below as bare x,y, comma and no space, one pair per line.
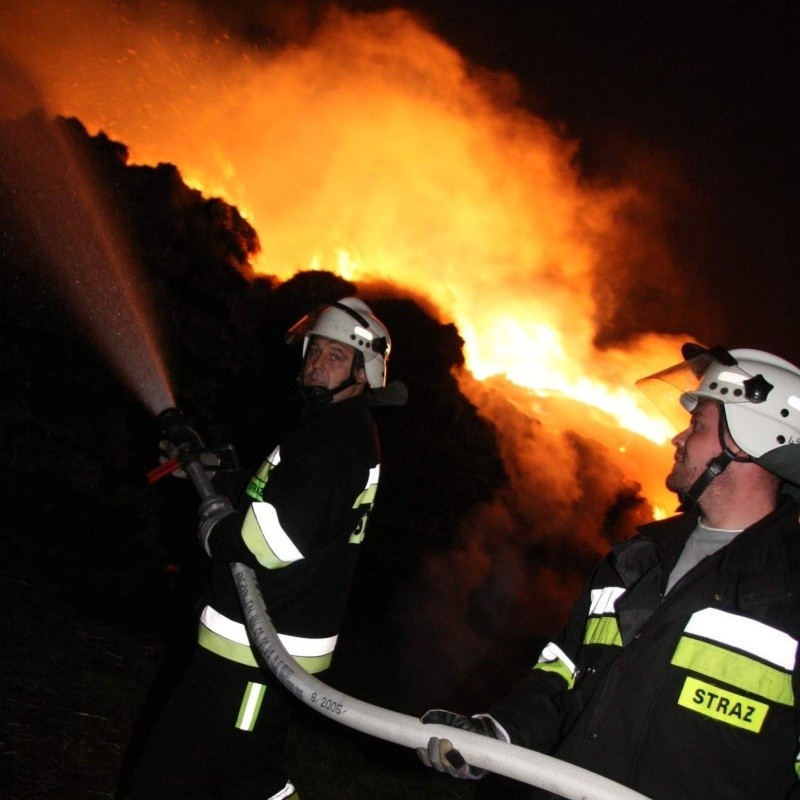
169,452
440,753
174,427
210,515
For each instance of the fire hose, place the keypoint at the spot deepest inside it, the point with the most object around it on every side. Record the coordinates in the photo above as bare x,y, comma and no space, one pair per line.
515,762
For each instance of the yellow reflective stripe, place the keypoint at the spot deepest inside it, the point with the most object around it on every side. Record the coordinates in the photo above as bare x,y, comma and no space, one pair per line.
242,654
266,540
723,705
602,630
228,638
314,664
367,497
226,648
255,488
735,669
357,536
306,646
553,659
257,545
276,538
748,635
251,705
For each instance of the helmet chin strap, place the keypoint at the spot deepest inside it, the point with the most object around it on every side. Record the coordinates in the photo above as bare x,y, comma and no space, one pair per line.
690,498
321,395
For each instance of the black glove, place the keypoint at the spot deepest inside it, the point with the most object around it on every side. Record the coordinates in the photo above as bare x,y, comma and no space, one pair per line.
440,753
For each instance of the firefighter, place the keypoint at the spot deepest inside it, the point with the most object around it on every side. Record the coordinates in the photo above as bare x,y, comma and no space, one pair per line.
305,512
677,673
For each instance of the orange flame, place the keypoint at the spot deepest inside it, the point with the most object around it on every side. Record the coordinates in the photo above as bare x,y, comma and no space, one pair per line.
374,150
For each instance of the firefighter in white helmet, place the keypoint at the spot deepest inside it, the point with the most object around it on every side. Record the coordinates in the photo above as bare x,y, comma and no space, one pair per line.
351,322
299,527
759,410
678,673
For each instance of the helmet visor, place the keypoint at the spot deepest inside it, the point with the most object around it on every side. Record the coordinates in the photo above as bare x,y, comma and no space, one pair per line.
674,390
298,331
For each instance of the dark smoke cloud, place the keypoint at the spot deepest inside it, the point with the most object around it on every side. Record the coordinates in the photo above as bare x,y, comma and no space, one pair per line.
473,611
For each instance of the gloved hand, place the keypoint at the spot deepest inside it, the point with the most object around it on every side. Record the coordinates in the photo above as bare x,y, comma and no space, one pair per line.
176,429
440,753
210,514
169,451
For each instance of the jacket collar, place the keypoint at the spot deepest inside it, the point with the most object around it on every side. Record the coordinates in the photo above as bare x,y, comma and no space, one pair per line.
325,411
766,555
658,542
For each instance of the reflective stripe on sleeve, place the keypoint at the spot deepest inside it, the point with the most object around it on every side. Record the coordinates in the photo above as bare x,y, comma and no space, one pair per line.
554,659
255,488
602,630
602,626
266,539
367,497
229,639
604,601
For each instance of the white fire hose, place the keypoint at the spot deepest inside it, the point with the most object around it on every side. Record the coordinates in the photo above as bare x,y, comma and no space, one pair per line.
513,761
519,763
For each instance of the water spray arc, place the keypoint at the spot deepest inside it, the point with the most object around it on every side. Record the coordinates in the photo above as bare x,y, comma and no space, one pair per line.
520,764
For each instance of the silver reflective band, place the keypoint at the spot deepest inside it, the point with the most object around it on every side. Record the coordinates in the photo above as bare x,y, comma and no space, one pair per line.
297,646
274,535
363,332
284,793
552,652
731,377
604,600
745,634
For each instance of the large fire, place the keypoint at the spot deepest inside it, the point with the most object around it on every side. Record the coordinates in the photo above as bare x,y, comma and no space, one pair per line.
374,150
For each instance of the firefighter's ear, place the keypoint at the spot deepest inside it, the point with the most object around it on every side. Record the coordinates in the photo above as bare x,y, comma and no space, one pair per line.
361,375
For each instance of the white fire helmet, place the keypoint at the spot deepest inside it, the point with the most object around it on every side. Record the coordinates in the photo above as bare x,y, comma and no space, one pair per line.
351,322
758,392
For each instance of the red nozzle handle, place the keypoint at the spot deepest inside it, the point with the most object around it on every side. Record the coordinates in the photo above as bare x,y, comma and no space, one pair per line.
162,470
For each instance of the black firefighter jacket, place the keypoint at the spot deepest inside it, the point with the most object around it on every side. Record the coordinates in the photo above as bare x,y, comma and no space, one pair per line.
300,528
692,696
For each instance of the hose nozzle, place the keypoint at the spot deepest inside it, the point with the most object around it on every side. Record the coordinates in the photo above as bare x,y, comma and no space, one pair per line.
173,425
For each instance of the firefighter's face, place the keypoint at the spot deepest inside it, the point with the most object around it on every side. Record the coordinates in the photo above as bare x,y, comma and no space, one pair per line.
329,363
695,447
